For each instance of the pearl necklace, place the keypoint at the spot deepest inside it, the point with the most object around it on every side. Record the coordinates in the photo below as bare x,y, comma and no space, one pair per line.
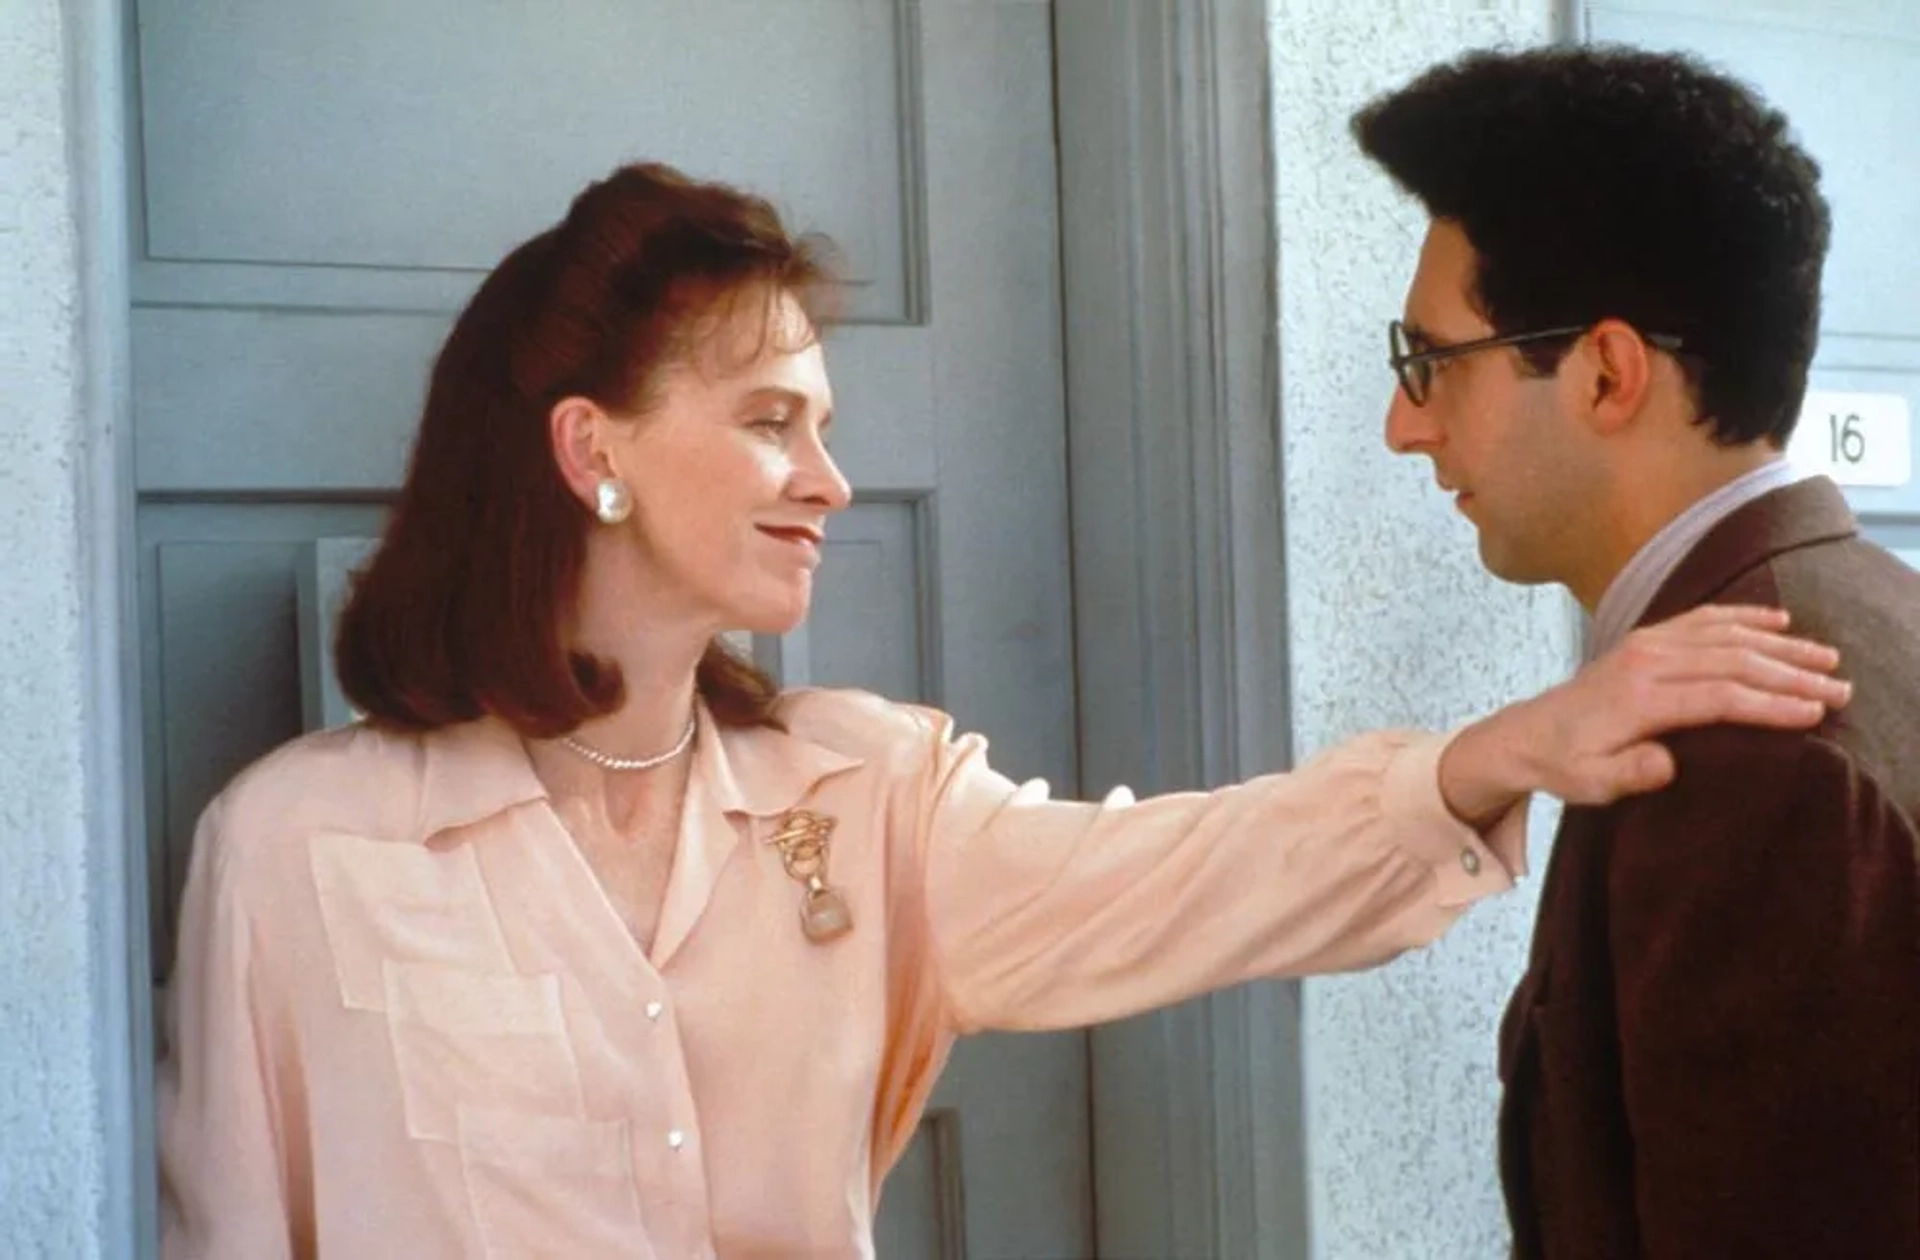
607,761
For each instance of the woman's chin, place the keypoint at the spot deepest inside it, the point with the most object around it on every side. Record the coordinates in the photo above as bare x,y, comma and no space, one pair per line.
775,621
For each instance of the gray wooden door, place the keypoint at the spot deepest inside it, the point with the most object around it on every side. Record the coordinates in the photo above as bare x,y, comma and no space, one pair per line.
1847,73
318,187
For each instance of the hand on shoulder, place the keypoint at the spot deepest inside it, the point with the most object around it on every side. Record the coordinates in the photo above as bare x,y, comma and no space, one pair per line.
1594,738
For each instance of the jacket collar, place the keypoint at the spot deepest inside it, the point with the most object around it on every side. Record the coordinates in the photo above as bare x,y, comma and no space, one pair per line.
1800,515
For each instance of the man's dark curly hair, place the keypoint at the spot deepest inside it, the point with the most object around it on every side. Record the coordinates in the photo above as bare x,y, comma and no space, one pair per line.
1601,182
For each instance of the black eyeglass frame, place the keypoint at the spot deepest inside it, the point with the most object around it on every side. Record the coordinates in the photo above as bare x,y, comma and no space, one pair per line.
1413,367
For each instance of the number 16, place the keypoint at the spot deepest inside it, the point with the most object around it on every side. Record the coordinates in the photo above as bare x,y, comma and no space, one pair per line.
1849,444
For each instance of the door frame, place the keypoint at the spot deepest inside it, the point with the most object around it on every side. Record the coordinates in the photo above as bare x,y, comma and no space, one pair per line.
1166,203
96,70
1175,491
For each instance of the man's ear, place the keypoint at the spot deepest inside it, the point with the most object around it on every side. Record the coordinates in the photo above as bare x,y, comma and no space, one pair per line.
1618,372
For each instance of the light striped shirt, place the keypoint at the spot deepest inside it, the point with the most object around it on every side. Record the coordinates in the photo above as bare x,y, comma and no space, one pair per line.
1627,598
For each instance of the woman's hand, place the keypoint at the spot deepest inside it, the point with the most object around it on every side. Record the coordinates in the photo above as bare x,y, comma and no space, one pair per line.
1591,740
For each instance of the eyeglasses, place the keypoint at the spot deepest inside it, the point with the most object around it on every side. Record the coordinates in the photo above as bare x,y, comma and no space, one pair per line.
1414,367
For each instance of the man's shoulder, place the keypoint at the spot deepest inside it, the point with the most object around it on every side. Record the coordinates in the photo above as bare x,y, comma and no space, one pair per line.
1864,601
1722,763
1750,807
1857,595
1727,772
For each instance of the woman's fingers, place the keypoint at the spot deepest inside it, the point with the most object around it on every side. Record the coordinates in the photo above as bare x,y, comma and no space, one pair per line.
1713,700
1717,642
1759,615
1755,669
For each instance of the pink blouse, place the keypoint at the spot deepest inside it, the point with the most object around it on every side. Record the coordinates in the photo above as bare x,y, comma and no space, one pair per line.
405,1021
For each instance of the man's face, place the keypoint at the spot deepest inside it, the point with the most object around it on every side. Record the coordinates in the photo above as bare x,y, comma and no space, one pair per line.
1499,438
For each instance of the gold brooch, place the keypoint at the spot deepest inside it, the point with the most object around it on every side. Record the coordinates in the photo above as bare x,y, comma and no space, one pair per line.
805,841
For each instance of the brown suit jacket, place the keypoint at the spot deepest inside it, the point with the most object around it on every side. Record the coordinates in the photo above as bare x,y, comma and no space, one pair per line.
1715,1051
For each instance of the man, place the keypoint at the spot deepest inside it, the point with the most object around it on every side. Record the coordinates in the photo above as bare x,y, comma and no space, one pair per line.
1715,1051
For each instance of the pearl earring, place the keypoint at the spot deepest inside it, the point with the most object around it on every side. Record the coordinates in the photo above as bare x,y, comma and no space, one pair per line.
612,501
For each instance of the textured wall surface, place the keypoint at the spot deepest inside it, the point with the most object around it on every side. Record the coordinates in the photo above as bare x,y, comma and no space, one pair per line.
1392,623
51,1157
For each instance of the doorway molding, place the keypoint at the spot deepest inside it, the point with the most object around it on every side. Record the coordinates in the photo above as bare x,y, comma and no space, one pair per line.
1167,245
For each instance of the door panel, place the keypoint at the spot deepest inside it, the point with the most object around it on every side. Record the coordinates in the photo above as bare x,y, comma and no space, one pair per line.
871,629
494,118
318,189
1847,75
925,1208
220,656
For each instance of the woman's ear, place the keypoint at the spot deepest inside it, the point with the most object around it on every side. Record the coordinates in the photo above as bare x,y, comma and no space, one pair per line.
576,428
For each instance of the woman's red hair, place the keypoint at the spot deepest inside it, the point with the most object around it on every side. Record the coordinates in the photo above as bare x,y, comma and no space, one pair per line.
460,612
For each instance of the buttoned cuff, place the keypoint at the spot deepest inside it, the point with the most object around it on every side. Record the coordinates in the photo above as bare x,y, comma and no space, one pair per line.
1467,864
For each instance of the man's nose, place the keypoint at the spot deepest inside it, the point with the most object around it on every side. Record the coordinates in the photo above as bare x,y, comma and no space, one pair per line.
1410,429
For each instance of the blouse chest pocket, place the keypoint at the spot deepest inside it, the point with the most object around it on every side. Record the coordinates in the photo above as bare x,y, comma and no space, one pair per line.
486,1064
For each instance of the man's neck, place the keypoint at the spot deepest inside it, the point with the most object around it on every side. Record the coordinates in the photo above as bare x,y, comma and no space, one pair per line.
1643,507
1638,584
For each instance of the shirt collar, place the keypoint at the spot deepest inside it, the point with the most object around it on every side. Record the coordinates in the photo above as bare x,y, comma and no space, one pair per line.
477,770
1626,599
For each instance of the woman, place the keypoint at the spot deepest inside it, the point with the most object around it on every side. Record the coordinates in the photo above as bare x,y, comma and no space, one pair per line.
494,971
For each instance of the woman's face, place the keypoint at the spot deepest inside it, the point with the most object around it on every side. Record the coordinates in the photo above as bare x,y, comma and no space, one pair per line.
731,479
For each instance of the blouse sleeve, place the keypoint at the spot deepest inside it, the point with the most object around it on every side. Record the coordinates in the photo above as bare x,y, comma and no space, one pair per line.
1051,914
223,1171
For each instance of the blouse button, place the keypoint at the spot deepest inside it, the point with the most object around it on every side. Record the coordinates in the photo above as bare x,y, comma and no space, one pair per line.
654,1009
676,1139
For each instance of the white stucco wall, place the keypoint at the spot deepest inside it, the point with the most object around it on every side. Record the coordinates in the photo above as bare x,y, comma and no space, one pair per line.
1392,622
53,1182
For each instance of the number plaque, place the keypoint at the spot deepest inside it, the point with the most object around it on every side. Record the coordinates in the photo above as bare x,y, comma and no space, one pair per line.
1856,439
